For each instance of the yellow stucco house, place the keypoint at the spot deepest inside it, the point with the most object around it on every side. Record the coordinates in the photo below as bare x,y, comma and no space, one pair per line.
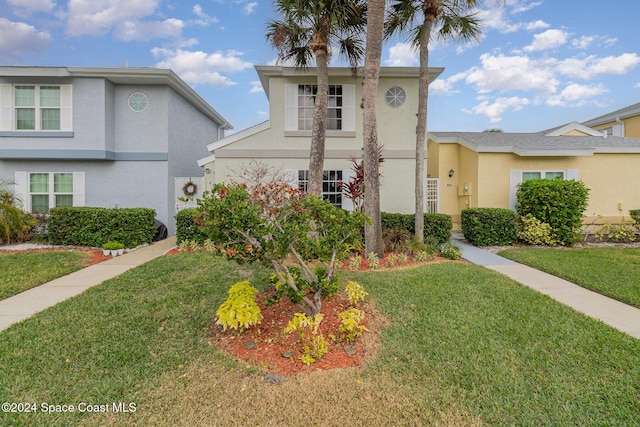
284,140
483,169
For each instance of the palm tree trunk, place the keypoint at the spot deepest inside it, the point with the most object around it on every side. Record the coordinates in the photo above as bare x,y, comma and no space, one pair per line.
316,155
375,27
421,128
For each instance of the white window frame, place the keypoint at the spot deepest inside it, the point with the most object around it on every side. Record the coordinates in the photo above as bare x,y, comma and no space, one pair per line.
543,173
298,179
8,109
23,188
293,109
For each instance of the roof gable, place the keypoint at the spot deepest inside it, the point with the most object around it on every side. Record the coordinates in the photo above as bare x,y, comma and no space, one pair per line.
631,110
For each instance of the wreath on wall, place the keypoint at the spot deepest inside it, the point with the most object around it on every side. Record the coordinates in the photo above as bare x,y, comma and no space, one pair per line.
189,189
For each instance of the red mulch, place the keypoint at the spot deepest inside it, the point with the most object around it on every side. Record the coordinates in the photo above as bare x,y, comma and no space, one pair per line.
271,342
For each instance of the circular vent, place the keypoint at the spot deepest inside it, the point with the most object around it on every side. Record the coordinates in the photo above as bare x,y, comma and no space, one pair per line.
395,96
138,101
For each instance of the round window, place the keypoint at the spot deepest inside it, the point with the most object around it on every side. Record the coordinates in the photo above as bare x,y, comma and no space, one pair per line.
395,96
138,101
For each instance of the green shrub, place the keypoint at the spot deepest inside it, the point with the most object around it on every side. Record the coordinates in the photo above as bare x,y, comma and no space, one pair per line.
559,203
635,215
14,222
186,227
450,251
436,226
90,226
351,327
240,310
620,233
489,226
535,232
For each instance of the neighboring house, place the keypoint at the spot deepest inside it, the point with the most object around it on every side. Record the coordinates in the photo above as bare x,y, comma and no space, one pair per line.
283,142
109,137
623,122
483,169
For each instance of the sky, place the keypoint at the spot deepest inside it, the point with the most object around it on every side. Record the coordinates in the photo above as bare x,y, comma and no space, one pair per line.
539,63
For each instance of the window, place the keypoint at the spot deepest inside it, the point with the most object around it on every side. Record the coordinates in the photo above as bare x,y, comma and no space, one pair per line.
300,105
331,185
35,107
48,190
306,105
138,102
528,175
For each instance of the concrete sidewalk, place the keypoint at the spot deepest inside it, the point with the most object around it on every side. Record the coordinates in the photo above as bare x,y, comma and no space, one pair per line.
27,303
614,313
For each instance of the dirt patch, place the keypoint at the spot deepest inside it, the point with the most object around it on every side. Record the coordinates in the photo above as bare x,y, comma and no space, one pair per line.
269,348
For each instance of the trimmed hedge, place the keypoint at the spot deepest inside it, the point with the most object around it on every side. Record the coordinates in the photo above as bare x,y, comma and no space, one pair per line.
90,226
186,227
635,215
559,203
436,225
489,226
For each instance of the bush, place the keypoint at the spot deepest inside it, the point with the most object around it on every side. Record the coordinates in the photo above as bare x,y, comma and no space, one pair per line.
87,226
561,204
489,226
635,215
240,310
535,232
619,233
14,222
450,251
186,227
436,226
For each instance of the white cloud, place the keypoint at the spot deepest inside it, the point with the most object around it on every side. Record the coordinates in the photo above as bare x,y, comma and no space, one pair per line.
583,42
19,38
204,19
593,66
250,7
402,55
201,67
26,7
506,73
547,40
576,95
536,25
495,110
144,31
256,87
520,7
440,87
124,17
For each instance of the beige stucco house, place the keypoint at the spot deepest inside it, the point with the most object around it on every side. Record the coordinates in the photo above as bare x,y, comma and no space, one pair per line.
483,169
284,140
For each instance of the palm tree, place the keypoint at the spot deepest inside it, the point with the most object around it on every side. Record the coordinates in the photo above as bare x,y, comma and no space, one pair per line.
375,32
454,19
311,30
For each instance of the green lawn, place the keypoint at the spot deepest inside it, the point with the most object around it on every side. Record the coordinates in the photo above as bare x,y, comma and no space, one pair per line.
463,346
614,272
22,271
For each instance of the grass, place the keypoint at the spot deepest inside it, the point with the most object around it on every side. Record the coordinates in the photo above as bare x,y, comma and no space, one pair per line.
465,346
613,272
22,271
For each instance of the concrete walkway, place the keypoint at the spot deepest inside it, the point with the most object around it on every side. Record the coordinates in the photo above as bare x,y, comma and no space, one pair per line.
27,303
614,313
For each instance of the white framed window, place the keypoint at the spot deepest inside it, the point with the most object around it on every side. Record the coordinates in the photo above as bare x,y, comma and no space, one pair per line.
528,175
42,191
331,185
33,107
300,104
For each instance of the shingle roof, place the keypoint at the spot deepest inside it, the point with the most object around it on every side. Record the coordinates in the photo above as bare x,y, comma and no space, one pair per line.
535,144
631,110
